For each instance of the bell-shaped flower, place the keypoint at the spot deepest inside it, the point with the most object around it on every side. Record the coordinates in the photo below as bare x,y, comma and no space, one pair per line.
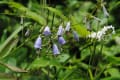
76,36
55,49
38,43
47,31
61,40
67,26
60,30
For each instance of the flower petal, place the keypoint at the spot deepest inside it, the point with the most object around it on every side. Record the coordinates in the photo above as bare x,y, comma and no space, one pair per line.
38,43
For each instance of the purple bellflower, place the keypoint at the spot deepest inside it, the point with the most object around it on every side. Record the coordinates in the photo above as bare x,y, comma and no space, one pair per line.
47,31
61,40
55,49
38,43
67,26
76,37
60,30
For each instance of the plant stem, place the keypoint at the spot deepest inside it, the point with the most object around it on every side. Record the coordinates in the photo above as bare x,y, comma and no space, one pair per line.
90,74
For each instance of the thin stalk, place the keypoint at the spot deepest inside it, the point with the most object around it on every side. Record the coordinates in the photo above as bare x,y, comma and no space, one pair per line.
52,21
47,17
55,69
90,74
100,53
48,73
22,25
94,51
91,56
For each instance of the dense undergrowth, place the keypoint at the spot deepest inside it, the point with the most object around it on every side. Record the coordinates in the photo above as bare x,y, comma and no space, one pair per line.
59,40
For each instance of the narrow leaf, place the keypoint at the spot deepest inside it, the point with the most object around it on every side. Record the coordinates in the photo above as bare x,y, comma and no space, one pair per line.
13,68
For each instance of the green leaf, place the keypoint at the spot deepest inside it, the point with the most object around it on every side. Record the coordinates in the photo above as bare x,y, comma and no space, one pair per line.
79,28
57,12
13,68
26,12
54,62
111,78
114,60
114,72
67,74
9,48
40,62
63,57
8,42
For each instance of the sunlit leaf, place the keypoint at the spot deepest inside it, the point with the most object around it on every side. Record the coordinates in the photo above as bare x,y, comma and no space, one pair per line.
79,28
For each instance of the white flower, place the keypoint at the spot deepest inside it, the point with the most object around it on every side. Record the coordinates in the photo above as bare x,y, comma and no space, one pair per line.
101,34
92,35
67,26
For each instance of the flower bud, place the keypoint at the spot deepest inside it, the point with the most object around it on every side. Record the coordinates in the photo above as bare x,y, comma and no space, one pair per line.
60,30
47,31
27,33
67,26
38,43
55,49
61,40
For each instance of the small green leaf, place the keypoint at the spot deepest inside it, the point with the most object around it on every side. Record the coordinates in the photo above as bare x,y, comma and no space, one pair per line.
63,57
9,48
40,62
114,72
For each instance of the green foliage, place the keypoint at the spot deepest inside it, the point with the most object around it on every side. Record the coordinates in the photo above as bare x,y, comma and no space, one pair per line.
99,60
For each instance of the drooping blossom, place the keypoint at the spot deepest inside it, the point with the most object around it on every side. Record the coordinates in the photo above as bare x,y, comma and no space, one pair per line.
38,43
61,40
47,31
60,30
55,49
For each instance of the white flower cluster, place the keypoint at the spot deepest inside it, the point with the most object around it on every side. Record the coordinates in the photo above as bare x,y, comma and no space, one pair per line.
101,34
